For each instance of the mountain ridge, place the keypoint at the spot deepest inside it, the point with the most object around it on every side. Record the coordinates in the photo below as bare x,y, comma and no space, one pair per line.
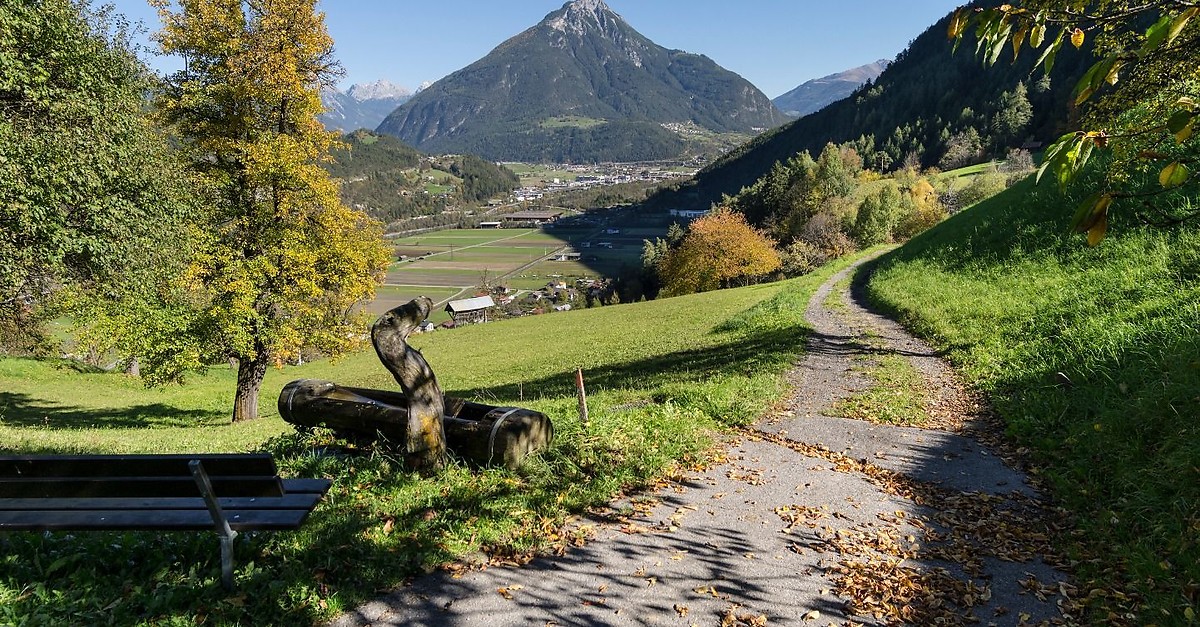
813,95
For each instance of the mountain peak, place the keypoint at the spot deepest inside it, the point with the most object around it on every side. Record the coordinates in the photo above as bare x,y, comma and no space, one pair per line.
581,85
579,16
377,90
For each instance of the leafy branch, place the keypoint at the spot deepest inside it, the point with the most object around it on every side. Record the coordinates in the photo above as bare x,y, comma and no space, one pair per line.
1161,56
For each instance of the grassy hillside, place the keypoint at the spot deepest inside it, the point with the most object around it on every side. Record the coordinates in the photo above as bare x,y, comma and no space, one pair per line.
1016,301
663,378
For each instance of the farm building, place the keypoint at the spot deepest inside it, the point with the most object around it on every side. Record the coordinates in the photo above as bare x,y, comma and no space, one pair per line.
530,215
470,310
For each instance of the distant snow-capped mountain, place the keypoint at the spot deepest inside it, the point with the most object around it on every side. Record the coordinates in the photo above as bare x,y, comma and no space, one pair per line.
362,105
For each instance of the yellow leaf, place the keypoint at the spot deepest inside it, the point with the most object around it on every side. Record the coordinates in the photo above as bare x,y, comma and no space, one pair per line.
1037,36
1189,613
1179,22
1097,232
1113,73
1185,133
958,22
1077,38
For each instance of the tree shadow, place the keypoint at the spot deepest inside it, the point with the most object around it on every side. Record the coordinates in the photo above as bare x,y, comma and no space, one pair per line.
740,354
23,410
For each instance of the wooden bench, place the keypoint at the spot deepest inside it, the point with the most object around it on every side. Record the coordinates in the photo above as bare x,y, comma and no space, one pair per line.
228,493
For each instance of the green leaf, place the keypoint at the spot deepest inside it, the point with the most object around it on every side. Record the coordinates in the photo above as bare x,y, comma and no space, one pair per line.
1094,79
1180,22
1179,120
1155,35
1050,53
1055,155
1173,175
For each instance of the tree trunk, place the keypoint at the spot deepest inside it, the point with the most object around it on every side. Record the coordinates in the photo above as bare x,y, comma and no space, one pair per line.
426,438
249,381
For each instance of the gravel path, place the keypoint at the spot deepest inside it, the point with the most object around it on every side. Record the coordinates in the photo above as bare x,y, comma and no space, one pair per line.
808,520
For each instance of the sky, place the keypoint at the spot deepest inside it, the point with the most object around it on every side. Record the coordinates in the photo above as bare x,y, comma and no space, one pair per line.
774,44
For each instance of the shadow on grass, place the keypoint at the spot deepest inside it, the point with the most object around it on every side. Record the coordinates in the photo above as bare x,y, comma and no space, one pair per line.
740,355
23,410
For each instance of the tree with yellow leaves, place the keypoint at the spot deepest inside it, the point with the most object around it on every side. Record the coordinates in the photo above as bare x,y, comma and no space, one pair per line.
720,250
286,262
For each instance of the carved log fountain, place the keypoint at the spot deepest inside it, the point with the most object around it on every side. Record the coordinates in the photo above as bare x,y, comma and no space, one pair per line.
420,420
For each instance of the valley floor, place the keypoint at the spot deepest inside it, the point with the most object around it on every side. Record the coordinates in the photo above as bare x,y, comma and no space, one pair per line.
809,517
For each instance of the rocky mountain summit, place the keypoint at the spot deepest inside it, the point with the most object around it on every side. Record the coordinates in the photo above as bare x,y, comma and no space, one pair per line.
362,105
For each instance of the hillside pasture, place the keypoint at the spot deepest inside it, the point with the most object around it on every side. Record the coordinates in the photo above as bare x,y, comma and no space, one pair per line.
1089,357
664,377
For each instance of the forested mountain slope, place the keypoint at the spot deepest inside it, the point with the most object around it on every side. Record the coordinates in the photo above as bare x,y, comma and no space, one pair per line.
924,103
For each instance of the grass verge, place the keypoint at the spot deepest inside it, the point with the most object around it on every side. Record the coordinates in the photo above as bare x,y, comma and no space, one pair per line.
896,395
1090,357
664,378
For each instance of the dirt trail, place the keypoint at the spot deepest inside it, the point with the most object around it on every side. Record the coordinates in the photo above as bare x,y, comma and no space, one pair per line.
809,520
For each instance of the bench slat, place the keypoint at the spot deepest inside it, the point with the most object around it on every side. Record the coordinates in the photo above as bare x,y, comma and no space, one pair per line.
134,465
136,520
306,486
84,486
287,501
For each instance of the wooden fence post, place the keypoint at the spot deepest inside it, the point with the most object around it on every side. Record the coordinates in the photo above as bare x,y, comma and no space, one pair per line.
583,409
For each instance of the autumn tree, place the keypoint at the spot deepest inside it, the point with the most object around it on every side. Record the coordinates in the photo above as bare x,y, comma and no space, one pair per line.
719,250
88,187
286,262
1143,96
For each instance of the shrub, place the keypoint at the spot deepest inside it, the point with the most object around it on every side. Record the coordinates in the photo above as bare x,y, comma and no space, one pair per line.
982,187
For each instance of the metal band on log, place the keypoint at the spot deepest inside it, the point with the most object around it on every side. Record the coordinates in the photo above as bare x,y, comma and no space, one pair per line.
483,435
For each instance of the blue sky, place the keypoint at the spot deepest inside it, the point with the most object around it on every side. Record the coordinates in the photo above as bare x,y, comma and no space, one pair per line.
775,44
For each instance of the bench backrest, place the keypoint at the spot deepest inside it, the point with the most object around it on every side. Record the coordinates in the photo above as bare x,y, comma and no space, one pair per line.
75,476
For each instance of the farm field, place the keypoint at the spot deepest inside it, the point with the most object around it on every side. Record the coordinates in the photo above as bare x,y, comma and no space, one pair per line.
450,264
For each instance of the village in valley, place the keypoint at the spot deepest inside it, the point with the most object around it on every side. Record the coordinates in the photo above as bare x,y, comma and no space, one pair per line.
527,255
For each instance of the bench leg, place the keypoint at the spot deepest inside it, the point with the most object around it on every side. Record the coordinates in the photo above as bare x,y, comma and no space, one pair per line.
222,525
227,560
